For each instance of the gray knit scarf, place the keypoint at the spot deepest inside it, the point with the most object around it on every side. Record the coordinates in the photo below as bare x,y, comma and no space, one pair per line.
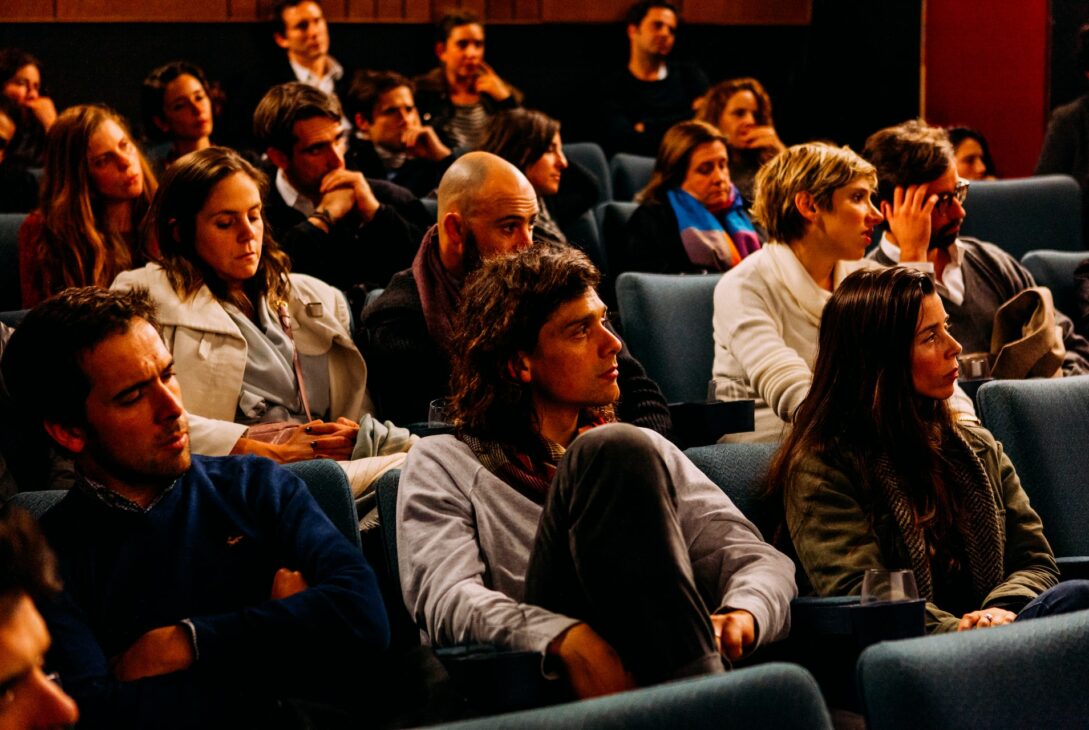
978,521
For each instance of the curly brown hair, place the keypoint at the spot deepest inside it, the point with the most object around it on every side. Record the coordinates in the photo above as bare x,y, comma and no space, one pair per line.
503,307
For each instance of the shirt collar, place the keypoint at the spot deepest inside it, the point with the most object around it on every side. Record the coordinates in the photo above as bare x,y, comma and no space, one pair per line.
305,75
291,196
116,501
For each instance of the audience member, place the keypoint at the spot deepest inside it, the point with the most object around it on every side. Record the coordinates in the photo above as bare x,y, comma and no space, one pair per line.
691,217
461,95
972,154
877,474
814,202
32,699
198,591
922,199
261,355
530,141
21,80
520,532
486,208
327,217
1066,144
653,93
301,30
18,187
95,190
741,110
177,112
390,142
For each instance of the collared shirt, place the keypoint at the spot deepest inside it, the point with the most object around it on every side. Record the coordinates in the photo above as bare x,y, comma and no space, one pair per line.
326,83
117,501
293,197
951,285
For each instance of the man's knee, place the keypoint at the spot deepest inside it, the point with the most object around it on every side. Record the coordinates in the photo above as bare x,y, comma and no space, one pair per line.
616,442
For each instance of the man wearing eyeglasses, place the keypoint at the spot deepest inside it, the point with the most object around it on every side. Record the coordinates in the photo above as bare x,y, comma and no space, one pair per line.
29,698
922,200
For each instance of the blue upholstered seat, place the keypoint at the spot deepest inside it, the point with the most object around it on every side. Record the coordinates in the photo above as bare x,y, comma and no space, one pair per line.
612,218
1043,424
583,233
1026,214
630,173
1028,674
769,696
667,325
592,157
1055,270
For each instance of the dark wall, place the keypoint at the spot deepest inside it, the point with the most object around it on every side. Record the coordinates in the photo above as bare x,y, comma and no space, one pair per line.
854,69
1067,80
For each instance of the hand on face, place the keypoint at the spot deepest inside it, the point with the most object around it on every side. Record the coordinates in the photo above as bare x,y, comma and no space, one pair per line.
488,82
909,219
44,110
757,138
424,143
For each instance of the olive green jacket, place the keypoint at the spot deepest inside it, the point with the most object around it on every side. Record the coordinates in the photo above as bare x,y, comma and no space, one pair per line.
841,528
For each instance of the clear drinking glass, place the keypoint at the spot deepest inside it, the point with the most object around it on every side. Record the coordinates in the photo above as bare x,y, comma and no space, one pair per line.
885,586
438,413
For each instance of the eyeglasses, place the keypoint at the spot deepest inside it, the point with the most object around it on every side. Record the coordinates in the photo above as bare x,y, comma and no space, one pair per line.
959,194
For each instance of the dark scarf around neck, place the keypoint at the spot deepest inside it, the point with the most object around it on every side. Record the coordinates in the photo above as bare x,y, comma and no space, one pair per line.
440,291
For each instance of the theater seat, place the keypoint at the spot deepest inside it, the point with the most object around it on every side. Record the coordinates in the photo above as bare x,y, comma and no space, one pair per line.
770,696
1029,674
1055,270
667,326
630,173
10,296
583,233
1026,214
1043,425
592,158
612,219
329,486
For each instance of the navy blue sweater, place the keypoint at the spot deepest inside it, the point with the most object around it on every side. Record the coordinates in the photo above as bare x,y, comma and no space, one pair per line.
208,551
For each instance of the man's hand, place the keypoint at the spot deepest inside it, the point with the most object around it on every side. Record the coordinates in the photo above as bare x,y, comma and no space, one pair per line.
734,632
908,217
758,138
44,110
424,143
986,618
488,82
593,667
159,651
287,583
342,190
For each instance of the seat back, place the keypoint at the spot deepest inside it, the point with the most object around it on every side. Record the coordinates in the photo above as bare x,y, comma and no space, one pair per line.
1055,270
583,233
1025,214
592,158
667,325
631,173
386,489
328,484
10,294
1043,424
772,695
1028,674
612,219
739,471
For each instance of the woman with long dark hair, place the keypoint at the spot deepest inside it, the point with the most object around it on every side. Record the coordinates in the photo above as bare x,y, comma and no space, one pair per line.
263,356
878,473
95,190
176,106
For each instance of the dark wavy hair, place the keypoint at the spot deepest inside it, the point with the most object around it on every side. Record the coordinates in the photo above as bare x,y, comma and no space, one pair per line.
27,565
184,189
520,136
153,93
911,153
959,134
862,401
503,307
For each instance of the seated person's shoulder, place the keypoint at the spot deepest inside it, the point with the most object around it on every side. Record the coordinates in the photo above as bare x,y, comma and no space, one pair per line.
978,437
400,295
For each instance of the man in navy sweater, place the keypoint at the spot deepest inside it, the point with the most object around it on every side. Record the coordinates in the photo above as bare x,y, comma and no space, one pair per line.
197,590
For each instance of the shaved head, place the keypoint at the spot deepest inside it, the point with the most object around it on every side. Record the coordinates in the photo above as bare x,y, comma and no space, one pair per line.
486,207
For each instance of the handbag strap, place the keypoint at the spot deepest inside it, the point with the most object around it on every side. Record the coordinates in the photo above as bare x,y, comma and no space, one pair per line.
285,323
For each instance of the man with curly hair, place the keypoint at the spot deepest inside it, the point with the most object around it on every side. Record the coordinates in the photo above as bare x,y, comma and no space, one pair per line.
543,526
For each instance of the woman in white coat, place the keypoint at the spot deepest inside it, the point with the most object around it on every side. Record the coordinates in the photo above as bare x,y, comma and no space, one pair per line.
263,356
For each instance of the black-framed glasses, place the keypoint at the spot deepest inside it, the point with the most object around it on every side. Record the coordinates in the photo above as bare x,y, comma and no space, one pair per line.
959,194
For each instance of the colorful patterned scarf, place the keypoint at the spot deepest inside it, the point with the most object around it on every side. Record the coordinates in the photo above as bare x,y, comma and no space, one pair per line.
715,242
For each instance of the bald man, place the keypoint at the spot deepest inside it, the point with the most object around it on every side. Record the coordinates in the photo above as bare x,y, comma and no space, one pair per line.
487,207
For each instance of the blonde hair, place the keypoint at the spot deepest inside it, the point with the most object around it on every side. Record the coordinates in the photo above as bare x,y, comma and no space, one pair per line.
75,248
816,168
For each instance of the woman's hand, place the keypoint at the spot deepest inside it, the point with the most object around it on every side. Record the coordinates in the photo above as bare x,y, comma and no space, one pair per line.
44,110
985,618
758,138
314,440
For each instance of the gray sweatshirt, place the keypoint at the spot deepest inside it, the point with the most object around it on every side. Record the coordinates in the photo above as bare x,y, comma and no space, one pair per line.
464,539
